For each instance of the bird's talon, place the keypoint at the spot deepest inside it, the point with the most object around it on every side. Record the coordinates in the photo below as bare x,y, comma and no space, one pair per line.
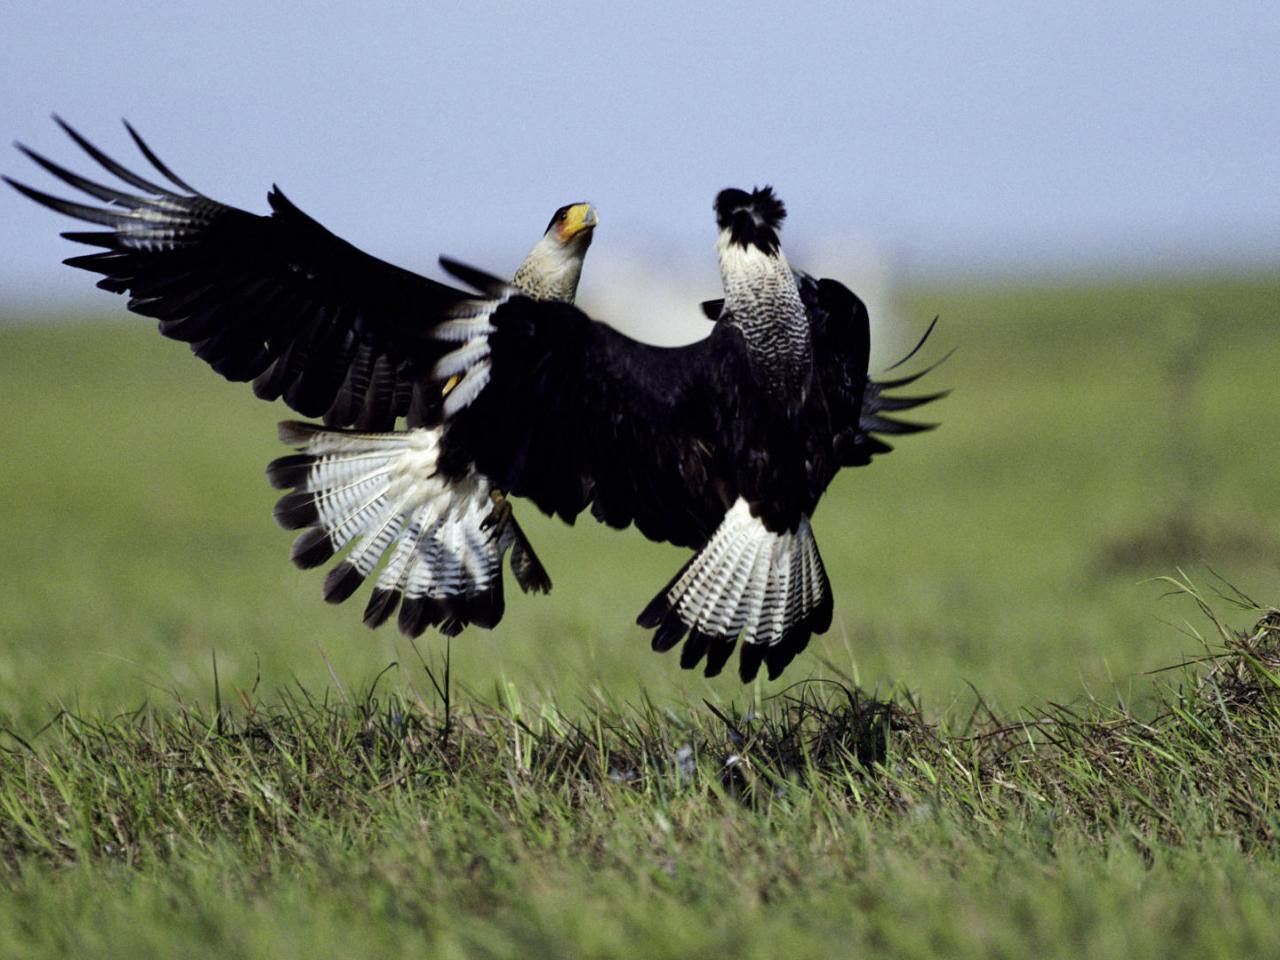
500,513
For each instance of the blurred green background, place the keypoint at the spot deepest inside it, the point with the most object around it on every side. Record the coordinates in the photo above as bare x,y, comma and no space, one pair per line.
1097,436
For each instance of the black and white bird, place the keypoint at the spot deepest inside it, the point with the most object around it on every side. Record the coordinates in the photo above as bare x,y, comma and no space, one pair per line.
724,446
450,537
334,332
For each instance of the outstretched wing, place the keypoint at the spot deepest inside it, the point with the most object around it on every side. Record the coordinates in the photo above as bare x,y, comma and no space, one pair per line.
275,299
554,406
865,442
858,404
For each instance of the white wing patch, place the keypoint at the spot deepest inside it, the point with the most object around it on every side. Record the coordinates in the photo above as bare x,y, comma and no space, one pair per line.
470,325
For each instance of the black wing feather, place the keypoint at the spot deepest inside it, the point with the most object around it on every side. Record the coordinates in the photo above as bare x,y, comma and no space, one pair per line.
577,415
277,299
156,161
474,277
841,332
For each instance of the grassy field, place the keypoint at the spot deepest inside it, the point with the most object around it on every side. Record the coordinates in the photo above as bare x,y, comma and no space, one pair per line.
1009,781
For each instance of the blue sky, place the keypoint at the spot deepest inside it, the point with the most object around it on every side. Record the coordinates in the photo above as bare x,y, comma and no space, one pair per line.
954,138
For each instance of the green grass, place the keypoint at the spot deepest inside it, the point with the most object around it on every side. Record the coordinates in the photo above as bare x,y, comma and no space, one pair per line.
324,810
818,824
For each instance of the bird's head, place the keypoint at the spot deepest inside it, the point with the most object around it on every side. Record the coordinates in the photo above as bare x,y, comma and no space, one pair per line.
552,269
750,219
574,224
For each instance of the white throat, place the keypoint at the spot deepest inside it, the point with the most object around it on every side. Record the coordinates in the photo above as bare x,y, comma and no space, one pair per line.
551,270
752,278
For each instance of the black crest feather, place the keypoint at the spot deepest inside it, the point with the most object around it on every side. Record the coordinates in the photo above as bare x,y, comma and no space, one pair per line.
751,218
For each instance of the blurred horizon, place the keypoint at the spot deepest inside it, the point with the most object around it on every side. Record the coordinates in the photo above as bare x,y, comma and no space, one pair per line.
922,143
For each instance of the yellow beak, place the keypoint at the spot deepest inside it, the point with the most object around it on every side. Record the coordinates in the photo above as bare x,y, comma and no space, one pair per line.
579,217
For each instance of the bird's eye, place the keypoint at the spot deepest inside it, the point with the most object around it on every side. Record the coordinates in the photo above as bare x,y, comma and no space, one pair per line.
564,215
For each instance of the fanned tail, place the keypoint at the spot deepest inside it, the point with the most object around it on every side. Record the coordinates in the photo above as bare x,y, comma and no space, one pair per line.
444,540
769,588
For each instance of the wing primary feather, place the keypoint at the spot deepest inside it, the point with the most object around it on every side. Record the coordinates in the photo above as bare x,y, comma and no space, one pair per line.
112,166
876,424
90,187
916,348
482,281
908,380
158,163
81,211
882,402
108,239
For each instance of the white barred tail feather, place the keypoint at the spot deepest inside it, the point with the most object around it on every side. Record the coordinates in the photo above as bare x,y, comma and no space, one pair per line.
444,540
769,588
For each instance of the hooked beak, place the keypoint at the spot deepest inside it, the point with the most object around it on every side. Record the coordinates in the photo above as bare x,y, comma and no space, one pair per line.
581,218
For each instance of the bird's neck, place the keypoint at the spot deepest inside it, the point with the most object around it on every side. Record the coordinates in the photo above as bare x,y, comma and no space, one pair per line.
551,270
761,299
758,285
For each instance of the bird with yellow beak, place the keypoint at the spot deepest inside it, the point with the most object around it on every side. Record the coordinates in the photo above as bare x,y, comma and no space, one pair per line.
553,267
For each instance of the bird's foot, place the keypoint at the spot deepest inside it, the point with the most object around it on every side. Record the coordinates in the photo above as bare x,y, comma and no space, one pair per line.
500,515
